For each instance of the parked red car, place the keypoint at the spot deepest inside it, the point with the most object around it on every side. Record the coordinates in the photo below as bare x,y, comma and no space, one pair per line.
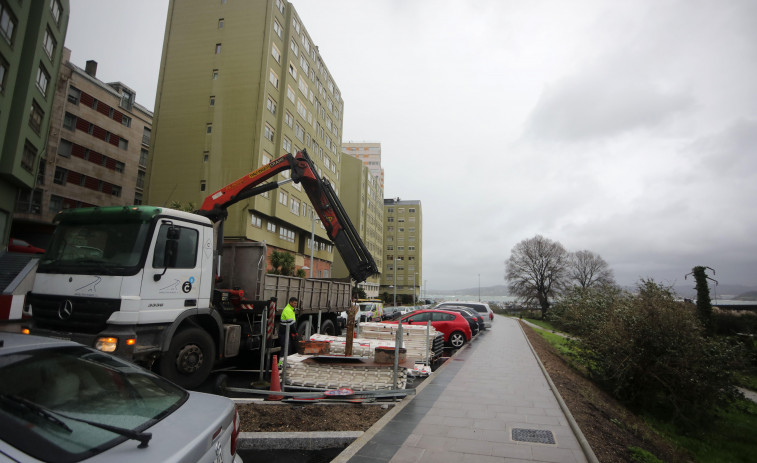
452,325
17,245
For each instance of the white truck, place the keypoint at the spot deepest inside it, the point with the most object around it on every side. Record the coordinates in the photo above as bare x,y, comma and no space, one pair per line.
148,283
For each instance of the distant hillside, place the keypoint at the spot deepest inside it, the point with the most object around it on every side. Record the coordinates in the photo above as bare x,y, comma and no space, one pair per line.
747,296
498,290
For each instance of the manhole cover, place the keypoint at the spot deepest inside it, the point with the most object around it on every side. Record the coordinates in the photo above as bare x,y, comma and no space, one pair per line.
539,436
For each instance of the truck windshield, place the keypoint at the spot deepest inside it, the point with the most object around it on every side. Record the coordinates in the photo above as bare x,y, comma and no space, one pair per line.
107,248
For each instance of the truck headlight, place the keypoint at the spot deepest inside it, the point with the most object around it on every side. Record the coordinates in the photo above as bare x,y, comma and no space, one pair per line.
106,344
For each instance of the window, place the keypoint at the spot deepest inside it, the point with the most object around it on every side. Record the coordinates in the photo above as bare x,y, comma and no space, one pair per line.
293,70
290,94
146,134
202,185
43,78
64,148
256,221
205,156
304,64
140,179
294,47
411,210
271,105
36,115
186,255
215,74
208,128
127,100
55,9
56,203
123,144
218,49
280,6
286,144
119,167
271,227
277,28
303,86
268,132
299,132
137,198
48,43
29,157
212,101
275,53
294,206
286,234
60,176
288,119
7,23
3,72
220,23
273,78
283,197
296,25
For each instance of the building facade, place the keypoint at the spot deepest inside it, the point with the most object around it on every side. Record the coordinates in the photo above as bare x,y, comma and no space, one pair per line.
403,245
97,150
241,84
362,198
31,46
370,154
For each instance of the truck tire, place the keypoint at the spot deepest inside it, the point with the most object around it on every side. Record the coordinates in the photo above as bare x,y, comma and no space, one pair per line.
189,359
328,328
302,327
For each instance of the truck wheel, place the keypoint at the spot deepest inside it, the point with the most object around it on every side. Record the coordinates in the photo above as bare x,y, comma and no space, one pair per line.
189,360
302,328
328,328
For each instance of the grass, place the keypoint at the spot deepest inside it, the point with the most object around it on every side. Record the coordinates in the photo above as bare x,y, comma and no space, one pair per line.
731,439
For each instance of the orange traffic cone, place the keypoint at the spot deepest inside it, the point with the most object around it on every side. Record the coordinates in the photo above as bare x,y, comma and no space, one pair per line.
275,383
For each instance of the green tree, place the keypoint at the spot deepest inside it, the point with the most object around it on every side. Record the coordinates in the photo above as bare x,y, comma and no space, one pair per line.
704,303
189,207
282,263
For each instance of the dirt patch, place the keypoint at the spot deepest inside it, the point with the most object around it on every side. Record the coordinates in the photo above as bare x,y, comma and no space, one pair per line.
608,426
268,417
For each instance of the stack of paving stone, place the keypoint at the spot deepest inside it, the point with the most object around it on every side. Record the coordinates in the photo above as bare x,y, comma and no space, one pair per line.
373,335
303,371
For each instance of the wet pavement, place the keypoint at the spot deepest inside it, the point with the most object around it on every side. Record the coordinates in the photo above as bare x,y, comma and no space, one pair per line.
492,402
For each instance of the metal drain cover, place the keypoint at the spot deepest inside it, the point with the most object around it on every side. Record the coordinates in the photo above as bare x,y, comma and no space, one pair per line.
539,436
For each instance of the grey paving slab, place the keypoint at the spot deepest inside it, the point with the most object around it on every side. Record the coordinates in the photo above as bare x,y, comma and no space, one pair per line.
469,408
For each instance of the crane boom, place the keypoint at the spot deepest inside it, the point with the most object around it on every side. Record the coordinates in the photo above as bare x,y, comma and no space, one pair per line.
338,226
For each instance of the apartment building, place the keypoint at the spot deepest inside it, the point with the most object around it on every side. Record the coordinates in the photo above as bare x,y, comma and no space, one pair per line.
403,245
362,198
241,84
370,154
31,44
97,149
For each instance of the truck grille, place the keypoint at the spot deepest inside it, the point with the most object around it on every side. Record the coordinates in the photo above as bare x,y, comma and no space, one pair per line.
72,314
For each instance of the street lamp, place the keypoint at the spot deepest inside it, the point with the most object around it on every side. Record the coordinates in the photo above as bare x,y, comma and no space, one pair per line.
479,287
415,273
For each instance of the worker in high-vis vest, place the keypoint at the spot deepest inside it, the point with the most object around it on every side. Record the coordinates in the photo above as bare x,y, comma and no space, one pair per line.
289,319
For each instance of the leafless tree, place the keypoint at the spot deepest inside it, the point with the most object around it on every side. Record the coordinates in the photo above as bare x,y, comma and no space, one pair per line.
537,270
588,269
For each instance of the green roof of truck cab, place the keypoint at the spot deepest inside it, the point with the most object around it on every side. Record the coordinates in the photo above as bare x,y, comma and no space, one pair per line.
108,214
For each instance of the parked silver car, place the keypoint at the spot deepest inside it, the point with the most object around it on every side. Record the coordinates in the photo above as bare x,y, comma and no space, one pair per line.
64,402
480,307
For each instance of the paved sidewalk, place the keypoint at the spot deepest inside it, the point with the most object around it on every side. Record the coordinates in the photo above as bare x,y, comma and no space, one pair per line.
489,403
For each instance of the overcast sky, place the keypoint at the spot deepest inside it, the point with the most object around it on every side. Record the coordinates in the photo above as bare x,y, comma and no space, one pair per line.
625,128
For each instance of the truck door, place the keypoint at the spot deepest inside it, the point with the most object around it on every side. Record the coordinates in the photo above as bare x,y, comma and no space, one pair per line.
173,271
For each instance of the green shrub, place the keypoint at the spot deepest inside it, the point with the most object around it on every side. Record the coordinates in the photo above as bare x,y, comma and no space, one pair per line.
580,310
651,352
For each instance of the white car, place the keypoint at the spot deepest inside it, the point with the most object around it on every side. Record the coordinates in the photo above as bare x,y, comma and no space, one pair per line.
64,402
480,307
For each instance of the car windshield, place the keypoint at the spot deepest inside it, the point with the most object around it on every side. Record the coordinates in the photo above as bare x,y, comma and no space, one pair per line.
107,248
77,382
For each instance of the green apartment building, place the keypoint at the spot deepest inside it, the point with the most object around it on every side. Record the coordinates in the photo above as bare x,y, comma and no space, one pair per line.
362,198
32,34
403,244
242,83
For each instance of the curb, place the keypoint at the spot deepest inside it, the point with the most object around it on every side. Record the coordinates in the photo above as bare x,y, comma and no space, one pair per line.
296,440
585,447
